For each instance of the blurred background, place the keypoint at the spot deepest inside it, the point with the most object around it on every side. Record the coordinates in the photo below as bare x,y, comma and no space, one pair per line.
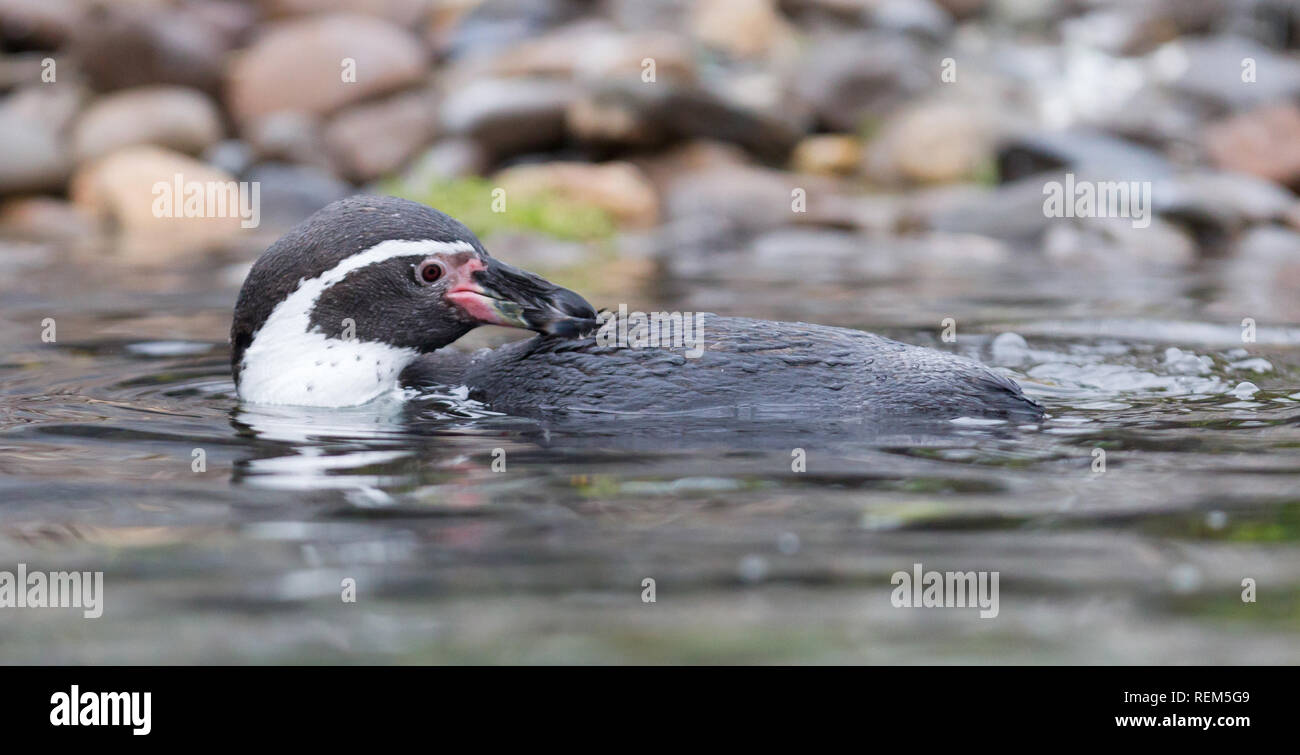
876,164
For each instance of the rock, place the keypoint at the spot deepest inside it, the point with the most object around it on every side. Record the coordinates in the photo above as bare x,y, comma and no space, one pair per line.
920,18
233,20
128,45
34,158
934,142
740,28
1138,28
963,9
509,116
1268,244
299,65
52,107
631,114
827,154
851,79
496,25
1011,212
119,188
404,13
373,140
1260,276
182,119
1115,243
45,219
620,189
1210,70
230,155
827,256
1264,142
1218,206
289,136
591,52
38,24
1153,115
292,192
21,69
741,198
449,158
1089,154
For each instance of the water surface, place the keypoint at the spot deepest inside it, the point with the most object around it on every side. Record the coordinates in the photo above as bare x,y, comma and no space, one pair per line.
544,561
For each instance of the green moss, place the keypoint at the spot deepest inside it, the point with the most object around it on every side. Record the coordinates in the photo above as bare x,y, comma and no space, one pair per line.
986,172
470,200
1277,523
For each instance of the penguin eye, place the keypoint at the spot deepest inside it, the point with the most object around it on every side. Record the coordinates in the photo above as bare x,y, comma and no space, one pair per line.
428,271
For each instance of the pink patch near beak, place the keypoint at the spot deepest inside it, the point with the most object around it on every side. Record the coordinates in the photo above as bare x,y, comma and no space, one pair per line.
470,297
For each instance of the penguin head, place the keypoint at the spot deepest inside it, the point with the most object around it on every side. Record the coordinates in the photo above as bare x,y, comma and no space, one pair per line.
332,312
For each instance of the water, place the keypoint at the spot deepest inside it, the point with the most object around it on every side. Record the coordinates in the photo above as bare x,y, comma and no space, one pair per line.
752,562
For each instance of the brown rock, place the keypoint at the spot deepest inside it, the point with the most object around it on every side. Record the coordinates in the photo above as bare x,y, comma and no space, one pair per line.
46,219
403,12
44,24
299,65
135,44
931,143
742,28
509,116
827,154
369,141
593,52
123,189
621,189
1264,142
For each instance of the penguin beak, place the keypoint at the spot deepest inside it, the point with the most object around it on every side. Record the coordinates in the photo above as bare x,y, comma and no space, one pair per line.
494,293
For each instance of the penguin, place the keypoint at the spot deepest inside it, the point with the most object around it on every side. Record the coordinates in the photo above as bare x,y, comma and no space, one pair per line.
362,297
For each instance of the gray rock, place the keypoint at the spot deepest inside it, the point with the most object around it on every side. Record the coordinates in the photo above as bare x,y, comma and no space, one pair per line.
290,193
919,18
1217,206
631,114
509,116
1089,154
1115,244
1012,212
1210,70
289,136
853,78
54,107
1268,244
495,25
34,158
182,119
231,155
449,158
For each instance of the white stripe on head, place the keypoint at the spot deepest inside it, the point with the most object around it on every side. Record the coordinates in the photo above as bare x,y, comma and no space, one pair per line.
289,363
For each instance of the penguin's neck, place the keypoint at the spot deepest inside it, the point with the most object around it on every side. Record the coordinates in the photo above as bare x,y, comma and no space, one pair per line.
310,369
